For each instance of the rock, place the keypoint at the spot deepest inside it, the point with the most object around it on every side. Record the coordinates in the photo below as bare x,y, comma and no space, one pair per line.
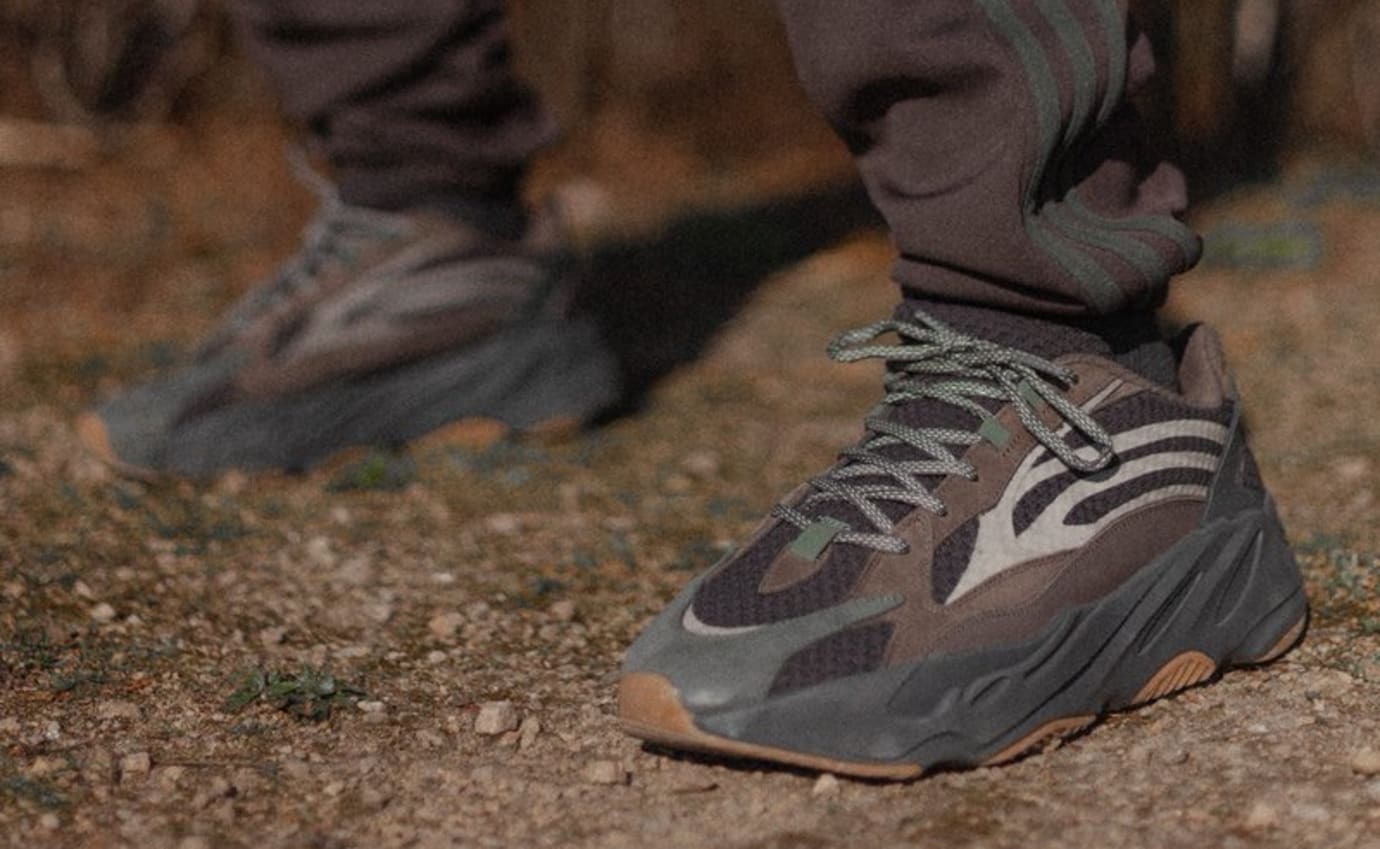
825,785
444,625
1175,756
701,464
212,791
113,710
503,523
1310,812
270,637
43,767
135,765
1373,791
371,706
103,613
374,797
319,552
1366,762
528,731
608,773
496,718
564,611
49,821
1261,816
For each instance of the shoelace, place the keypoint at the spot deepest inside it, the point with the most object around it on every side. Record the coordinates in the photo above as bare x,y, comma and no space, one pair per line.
936,362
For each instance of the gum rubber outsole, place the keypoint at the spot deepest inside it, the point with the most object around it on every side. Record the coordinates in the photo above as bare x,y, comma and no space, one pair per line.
650,709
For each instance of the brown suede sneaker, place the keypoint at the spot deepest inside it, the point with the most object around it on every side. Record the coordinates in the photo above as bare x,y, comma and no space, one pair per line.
384,328
1018,545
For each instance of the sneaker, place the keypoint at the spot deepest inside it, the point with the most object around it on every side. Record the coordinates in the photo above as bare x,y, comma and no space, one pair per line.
384,328
1031,533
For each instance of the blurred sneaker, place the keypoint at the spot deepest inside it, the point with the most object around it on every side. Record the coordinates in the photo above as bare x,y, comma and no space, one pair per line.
1034,530
384,328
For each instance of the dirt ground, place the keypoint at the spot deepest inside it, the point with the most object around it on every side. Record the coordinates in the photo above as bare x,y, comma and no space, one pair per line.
322,661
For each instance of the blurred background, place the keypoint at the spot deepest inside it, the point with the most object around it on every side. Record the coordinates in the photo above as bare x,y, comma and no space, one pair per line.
143,175
1246,80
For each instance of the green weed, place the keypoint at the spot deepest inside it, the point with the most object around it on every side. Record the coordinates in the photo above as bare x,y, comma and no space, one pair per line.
311,694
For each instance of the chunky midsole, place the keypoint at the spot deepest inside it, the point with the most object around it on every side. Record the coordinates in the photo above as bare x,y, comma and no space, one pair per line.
1230,591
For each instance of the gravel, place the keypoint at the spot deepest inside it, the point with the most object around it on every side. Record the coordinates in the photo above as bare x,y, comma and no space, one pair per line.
495,718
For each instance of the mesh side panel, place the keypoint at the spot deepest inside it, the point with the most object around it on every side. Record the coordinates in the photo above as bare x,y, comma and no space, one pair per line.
851,652
1092,509
951,558
729,598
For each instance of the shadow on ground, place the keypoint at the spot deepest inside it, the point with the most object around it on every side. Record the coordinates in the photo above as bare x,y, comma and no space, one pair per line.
660,300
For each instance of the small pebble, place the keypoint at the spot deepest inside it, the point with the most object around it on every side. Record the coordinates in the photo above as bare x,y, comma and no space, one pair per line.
1366,762
564,610
607,773
320,553
496,718
135,765
1373,791
49,822
103,612
1261,815
117,710
825,785
444,625
701,464
528,731
503,523
371,706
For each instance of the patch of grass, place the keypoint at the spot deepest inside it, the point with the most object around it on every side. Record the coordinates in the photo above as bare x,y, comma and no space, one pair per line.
540,592
31,649
185,520
1342,582
1292,244
311,694
34,790
379,471
77,679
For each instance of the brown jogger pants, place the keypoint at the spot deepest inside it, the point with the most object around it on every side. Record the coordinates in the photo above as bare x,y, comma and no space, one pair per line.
994,135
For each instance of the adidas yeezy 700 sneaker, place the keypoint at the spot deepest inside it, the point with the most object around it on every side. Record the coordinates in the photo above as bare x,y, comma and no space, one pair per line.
385,327
1019,544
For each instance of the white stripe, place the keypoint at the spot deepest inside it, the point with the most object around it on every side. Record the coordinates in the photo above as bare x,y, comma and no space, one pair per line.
998,547
695,625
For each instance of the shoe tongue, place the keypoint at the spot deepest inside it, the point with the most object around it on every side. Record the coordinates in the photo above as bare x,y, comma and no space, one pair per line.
1042,337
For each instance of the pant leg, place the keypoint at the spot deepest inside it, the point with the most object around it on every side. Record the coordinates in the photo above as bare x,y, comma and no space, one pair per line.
411,100
997,140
